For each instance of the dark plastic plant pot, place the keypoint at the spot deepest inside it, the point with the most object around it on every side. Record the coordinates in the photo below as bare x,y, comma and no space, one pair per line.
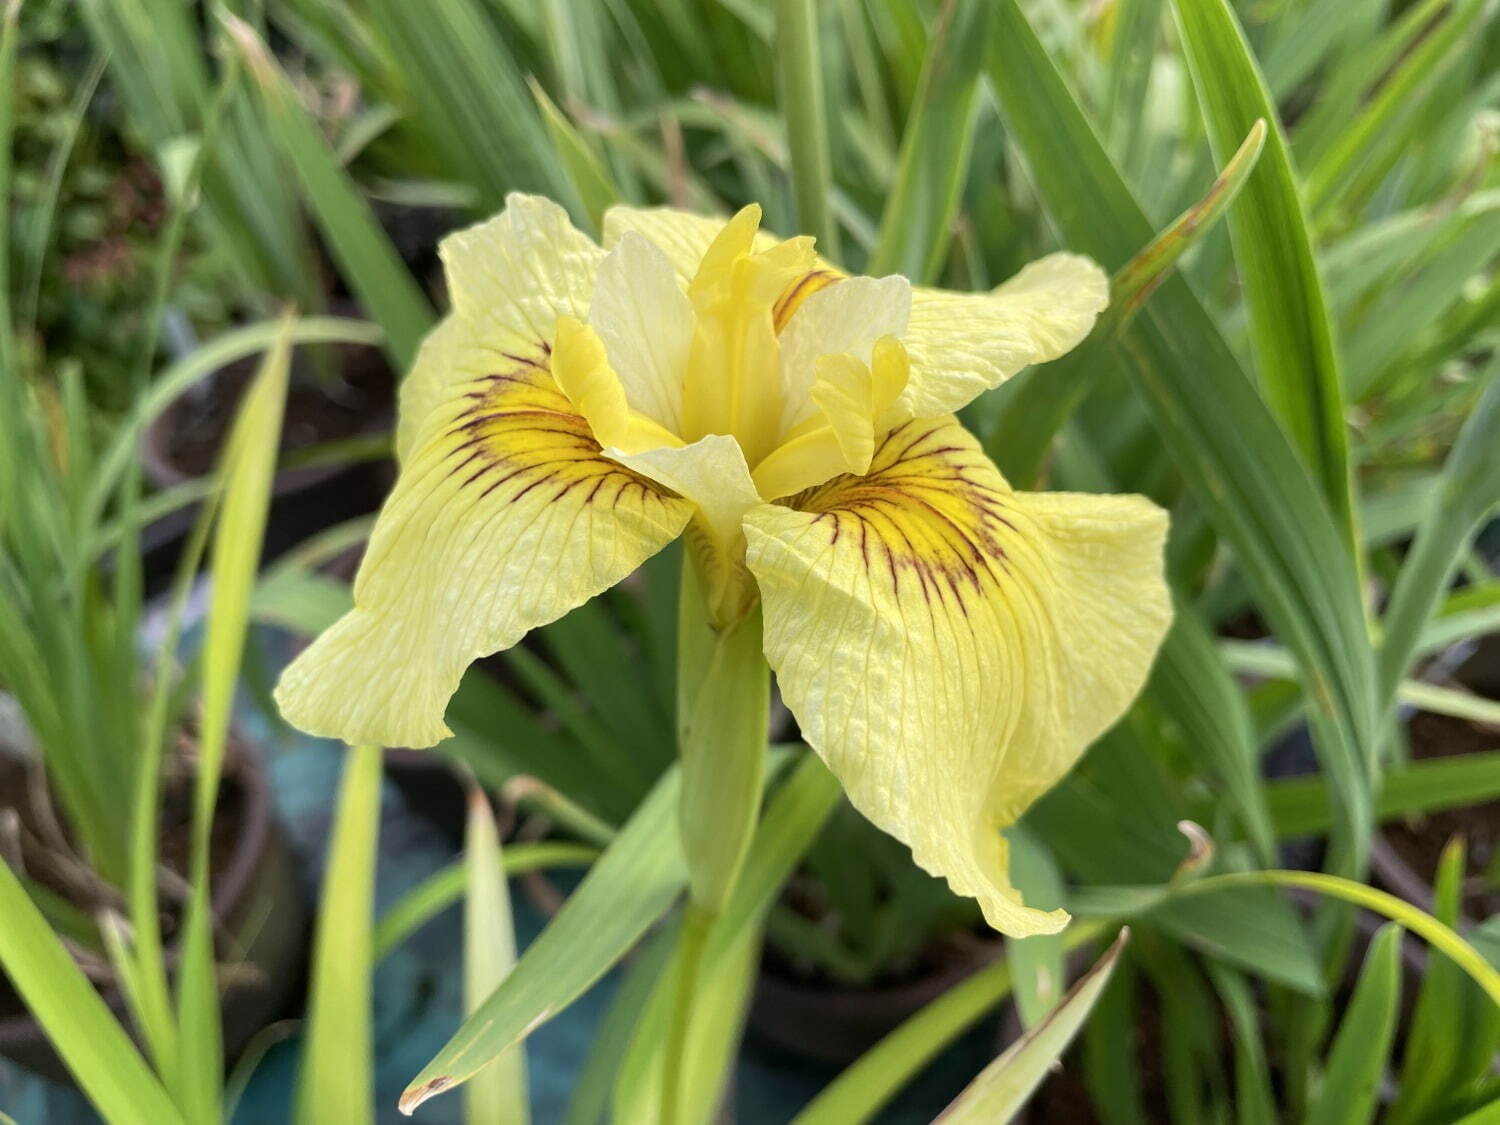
431,789
256,901
832,1024
305,499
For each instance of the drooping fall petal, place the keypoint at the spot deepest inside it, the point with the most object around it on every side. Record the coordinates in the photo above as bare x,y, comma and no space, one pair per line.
950,646
506,516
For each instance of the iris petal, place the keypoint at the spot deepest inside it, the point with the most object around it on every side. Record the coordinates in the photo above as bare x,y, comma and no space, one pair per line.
842,319
506,516
511,277
962,344
711,472
681,235
950,646
646,323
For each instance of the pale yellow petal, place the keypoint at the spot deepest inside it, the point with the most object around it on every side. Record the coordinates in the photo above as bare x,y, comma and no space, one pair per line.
505,517
712,473
513,275
450,354
950,647
962,344
852,401
645,320
510,278
842,319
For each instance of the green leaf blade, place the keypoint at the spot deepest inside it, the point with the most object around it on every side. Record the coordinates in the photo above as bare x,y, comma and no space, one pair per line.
1004,1086
633,884
1351,1084
338,1067
496,1095
95,1048
1291,331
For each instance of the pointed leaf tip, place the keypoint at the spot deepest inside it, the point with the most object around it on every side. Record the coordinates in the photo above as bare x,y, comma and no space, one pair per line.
415,1096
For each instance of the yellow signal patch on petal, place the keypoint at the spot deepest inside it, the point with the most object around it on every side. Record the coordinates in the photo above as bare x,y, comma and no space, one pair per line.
511,277
962,344
950,646
506,516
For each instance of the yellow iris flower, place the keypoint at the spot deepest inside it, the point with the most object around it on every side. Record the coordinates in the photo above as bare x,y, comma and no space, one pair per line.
949,646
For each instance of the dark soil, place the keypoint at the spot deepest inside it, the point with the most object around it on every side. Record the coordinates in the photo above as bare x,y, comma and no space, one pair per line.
1420,839
336,392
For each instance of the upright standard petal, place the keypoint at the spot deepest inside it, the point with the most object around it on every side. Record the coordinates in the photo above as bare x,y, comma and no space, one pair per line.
962,344
842,319
681,235
505,517
950,646
684,238
645,320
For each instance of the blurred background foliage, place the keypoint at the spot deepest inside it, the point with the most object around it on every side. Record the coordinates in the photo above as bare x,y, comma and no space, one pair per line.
1314,398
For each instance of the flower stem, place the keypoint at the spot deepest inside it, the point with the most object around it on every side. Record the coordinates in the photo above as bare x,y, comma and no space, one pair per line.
696,922
723,707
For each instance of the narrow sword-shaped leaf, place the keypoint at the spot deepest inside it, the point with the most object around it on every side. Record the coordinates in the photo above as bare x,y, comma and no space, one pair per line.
1192,685
443,888
629,888
1301,807
467,87
1356,1062
1440,1039
497,1095
1253,1099
338,1058
1291,332
1004,1086
800,79
98,1053
1468,489
1373,128
1039,400
249,463
366,257
917,222
860,1092
590,180
1431,930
